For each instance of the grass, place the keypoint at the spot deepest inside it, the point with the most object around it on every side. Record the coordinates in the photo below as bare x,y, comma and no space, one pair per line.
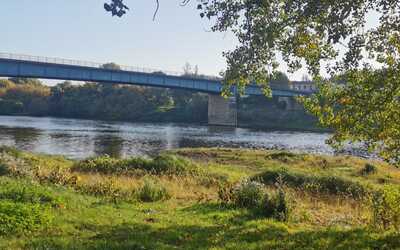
172,201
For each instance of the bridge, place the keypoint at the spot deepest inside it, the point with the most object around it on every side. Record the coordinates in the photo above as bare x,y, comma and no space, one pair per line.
220,112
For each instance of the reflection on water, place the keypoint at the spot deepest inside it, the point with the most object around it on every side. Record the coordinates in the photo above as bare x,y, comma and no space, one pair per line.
76,138
108,144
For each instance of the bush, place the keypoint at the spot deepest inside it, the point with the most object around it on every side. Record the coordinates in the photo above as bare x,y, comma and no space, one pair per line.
169,164
323,184
107,189
277,206
59,176
284,156
11,165
162,164
22,218
248,194
386,207
104,164
252,195
369,169
3,169
152,191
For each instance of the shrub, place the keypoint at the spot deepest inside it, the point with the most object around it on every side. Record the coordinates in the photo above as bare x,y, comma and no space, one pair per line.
225,194
386,207
248,194
22,217
152,191
284,156
59,176
162,164
323,184
277,206
11,165
369,169
3,168
107,189
252,195
169,164
103,164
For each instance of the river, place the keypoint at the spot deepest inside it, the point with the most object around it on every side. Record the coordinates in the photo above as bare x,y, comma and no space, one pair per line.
78,139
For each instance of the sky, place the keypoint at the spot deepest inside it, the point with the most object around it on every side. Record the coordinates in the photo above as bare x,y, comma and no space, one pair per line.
82,30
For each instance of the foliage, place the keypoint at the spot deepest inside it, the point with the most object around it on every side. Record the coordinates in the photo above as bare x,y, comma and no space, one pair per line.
106,101
193,218
103,101
170,164
13,165
27,193
314,33
386,208
152,191
364,110
248,194
277,205
17,218
320,184
107,189
162,164
253,195
108,165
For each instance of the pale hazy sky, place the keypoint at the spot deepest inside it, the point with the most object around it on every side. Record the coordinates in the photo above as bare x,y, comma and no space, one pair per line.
82,30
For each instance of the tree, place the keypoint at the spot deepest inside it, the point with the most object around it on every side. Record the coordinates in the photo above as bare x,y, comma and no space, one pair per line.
187,69
306,33
280,78
111,66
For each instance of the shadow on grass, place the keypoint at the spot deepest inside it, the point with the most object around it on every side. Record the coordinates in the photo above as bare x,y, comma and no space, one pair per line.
243,232
135,236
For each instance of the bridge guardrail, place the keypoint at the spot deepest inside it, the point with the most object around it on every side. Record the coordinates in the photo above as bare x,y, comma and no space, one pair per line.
62,61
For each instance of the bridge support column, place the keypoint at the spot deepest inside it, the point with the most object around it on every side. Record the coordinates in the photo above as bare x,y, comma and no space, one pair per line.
290,103
221,111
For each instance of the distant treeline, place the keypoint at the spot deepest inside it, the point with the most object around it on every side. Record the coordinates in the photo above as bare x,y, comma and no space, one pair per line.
100,101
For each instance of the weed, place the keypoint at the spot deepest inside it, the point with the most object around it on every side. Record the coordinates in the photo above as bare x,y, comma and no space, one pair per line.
27,193
152,191
13,166
107,189
59,176
16,218
284,156
248,194
324,184
386,207
277,205
162,164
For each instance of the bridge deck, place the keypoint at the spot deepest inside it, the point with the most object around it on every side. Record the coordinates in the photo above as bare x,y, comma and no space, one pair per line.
54,68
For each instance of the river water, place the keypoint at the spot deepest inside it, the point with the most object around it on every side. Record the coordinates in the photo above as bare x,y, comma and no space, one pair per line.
80,139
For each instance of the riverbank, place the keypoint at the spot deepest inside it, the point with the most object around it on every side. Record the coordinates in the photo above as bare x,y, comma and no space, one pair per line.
198,199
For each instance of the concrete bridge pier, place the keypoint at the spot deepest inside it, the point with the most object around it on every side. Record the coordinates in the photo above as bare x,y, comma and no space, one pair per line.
290,103
221,111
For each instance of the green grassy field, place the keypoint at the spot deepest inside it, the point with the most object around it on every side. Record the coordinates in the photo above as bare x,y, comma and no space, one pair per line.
188,199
